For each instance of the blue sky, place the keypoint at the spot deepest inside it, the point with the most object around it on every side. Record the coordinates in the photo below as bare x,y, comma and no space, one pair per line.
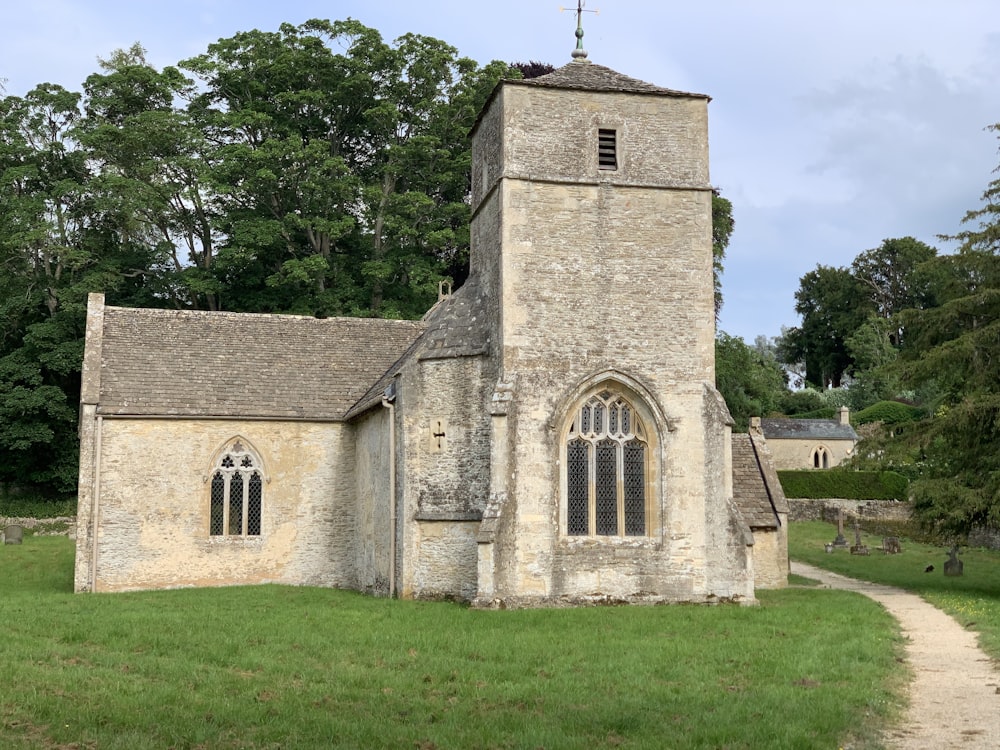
834,125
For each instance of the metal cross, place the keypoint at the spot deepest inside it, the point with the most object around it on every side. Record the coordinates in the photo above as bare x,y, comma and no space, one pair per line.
581,8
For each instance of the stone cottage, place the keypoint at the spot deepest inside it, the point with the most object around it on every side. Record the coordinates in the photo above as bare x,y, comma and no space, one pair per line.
549,433
810,443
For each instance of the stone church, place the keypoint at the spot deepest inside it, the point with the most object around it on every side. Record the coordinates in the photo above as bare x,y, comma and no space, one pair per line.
548,434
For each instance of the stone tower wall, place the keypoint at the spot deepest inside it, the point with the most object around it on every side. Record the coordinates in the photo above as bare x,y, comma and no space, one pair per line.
603,274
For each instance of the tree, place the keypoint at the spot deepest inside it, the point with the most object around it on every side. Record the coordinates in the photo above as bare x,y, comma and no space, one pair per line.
151,179
896,276
751,380
871,348
532,69
47,260
722,229
953,350
342,177
315,169
832,306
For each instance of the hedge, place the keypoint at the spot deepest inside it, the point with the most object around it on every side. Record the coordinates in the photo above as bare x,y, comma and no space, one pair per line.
887,412
815,484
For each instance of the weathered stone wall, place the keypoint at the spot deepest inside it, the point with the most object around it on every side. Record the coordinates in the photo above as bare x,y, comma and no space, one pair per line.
151,491
551,135
798,454
445,473
446,560
827,510
770,553
373,541
58,526
604,279
984,537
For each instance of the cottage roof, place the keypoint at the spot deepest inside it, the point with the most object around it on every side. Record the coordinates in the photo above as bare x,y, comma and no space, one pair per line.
221,364
807,429
756,489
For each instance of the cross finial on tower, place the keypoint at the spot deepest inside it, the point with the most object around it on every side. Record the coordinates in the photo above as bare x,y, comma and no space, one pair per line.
581,7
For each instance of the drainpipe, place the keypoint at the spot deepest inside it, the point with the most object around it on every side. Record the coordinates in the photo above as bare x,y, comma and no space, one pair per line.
388,401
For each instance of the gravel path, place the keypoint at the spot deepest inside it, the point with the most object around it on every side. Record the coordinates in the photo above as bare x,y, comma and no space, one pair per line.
955,693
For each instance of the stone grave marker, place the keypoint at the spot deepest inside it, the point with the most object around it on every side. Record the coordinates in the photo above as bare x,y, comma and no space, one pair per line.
858,548
840,541
13,534
953,566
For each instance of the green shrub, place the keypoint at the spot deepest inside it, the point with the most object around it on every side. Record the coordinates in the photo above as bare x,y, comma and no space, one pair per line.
887,412
848,485
34,506
827,412
797,403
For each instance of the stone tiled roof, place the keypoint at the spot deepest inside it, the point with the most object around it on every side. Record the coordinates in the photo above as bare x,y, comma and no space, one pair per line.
807,429
455,327
188,363
756,489
581,74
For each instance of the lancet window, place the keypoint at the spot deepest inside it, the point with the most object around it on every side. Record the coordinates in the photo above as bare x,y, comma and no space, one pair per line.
821,457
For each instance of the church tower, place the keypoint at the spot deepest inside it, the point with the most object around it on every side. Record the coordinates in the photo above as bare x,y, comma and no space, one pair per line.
592,250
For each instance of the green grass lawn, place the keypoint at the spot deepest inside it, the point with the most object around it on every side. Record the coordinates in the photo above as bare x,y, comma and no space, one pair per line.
973,599
286,667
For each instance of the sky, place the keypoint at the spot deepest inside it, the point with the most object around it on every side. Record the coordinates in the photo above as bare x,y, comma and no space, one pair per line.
833,125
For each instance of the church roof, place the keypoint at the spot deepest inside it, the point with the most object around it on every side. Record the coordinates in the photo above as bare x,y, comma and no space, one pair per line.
221,364
455,327
583,74
756,489
807,429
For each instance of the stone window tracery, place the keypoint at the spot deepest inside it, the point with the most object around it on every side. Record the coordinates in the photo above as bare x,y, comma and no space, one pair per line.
237,493
606,469
821,457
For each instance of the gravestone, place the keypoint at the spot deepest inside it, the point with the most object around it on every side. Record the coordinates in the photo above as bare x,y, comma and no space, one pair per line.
858,548
891,545
840,541
13,534
953,566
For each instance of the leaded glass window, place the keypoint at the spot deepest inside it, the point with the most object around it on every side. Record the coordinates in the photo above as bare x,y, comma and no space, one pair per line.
606,469
236,494
577,477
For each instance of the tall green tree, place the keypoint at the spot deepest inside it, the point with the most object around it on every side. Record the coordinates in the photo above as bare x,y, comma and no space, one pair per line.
151,179
953,350
749,378
343,177
896,276
46,259
722,231
832,306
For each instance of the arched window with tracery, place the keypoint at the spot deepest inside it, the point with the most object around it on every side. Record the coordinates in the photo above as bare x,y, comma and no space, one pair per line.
607,455
237,493
821,457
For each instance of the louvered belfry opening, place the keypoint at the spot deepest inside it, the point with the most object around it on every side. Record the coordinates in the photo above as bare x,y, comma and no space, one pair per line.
607,149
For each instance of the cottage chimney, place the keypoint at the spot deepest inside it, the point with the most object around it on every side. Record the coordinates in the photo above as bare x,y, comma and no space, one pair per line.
755,428
845,415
